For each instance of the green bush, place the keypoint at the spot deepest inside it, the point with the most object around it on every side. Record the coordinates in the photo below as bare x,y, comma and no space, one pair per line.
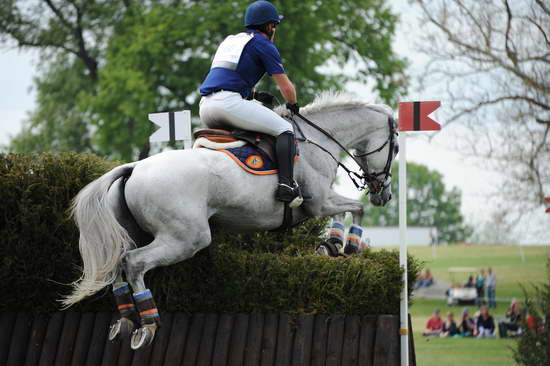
533,348
237,280
38,243
260,272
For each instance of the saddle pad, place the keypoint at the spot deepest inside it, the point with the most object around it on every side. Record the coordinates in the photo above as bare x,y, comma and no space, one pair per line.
249,158
252,160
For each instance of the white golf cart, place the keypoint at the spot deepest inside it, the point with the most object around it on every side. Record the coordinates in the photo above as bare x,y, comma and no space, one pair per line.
458,294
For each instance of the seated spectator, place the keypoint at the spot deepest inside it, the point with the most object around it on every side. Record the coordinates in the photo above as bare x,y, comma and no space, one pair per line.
470,283
428,278
449,327
467,325
533,322
434,326
424,280
511,321
485,324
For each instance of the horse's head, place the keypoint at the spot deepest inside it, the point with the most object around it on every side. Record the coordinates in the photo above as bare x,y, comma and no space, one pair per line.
376,160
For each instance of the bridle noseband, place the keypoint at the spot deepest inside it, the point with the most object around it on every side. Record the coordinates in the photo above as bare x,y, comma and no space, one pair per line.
366,179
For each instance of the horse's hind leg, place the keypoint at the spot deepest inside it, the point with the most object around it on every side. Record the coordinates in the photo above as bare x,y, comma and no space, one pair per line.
129,318
166,249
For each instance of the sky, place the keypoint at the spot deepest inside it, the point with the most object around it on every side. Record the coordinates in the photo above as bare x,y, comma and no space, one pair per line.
17,99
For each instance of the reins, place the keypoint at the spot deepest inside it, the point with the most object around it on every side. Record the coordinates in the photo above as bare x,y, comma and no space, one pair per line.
366,177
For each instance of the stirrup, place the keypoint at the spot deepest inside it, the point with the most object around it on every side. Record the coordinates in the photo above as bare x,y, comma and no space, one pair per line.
292,195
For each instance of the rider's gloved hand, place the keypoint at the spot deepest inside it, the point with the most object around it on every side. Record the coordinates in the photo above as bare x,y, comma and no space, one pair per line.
294,108
264,97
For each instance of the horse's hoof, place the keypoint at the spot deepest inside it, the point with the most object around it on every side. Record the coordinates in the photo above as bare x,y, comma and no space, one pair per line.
143,336
123,328
328,249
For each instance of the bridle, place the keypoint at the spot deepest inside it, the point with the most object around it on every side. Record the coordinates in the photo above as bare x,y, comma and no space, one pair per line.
365,178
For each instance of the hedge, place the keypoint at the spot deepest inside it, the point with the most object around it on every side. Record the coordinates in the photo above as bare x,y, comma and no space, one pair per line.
262,272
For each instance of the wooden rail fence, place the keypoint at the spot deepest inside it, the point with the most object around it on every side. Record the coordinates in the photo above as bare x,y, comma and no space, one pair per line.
80,339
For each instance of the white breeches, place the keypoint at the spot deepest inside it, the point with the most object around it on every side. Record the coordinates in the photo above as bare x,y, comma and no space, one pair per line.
226,108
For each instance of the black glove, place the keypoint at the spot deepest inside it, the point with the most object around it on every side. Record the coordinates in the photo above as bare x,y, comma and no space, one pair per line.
264,97
294,108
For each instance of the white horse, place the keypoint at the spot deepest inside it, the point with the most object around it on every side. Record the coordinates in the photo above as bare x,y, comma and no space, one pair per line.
160,211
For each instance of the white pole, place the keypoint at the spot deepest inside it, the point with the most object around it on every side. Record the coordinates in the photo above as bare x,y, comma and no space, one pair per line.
521,253
404,311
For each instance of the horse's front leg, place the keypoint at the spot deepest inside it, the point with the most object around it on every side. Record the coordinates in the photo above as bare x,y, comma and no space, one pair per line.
336,206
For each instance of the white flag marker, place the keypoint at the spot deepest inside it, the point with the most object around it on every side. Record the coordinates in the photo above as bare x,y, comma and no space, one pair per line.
174,126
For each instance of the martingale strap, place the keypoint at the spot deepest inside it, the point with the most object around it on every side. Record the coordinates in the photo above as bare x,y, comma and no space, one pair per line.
366,177
352,175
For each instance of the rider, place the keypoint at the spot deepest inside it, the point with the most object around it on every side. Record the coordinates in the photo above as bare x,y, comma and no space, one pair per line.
227,92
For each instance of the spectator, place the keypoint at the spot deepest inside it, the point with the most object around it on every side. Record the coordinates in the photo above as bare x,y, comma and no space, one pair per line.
424,280
533,322
485,324
512,320
428,278
491,287
434,326
450,328
470,282
480,288
467,325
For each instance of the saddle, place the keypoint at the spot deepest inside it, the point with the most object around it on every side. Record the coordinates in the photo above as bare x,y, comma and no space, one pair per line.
224,139
252,151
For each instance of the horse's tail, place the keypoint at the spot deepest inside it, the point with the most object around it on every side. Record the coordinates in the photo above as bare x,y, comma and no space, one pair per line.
103,240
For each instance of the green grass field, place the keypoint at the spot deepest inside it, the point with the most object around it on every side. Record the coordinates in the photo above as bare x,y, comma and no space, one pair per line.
511,272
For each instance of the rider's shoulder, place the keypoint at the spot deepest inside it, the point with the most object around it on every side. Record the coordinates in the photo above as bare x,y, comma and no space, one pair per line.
263,44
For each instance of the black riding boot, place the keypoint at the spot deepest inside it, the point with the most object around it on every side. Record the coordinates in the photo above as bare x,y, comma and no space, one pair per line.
287,190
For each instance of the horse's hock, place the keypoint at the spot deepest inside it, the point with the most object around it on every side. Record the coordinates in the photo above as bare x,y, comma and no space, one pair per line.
71,338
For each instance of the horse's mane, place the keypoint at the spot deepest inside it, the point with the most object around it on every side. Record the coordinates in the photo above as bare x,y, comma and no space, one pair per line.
335,100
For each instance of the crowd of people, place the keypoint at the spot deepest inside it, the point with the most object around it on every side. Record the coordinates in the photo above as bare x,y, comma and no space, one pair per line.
482,324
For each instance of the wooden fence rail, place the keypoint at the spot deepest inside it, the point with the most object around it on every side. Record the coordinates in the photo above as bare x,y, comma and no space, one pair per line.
80,339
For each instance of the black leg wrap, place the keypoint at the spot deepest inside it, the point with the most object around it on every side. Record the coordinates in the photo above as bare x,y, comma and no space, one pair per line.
125,302
147,308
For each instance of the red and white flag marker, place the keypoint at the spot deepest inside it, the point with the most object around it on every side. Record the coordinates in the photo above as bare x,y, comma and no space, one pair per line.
413,116
547,200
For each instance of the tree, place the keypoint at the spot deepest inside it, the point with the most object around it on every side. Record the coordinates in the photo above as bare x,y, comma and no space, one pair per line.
493,59
429,203
133,58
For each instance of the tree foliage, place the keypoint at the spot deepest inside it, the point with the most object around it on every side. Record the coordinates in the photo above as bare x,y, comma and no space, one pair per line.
493,59
533,348
429,203
125,59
